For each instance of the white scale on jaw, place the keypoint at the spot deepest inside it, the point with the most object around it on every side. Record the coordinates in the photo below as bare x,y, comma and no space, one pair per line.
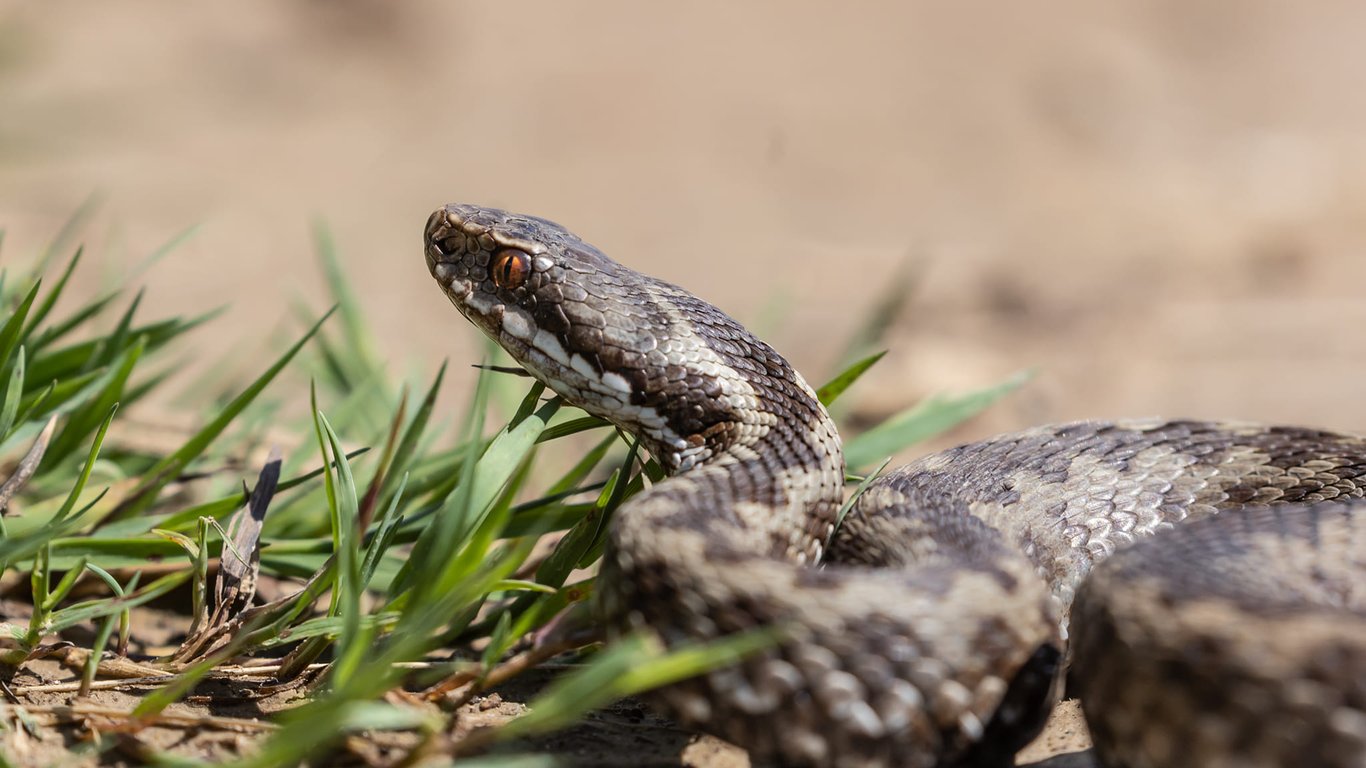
543,348
519,324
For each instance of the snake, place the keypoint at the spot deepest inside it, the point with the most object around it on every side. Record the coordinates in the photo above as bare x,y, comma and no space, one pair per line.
1199,586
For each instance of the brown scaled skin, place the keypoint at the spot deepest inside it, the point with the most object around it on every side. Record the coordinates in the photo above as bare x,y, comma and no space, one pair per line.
929,633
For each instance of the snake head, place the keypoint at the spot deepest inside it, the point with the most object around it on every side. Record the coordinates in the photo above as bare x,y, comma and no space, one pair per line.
536,289
644,354
492,263
580,322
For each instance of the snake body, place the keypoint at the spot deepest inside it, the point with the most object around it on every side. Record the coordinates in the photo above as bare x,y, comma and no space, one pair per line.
930,627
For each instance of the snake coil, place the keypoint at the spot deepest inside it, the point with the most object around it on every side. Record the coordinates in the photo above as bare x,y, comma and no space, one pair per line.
928,630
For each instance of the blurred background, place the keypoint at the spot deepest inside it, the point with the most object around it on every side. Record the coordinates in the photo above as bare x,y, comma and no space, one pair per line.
1159,206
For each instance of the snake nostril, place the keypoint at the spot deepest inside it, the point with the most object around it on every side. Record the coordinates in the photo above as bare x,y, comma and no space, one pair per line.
435,223
452,245
444,244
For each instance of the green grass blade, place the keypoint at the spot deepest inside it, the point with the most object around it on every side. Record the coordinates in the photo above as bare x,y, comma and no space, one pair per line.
922,421
61,397
29,407
543,516
167,469
692,660
832,389
40,314
504,464
575,547
499,642
111,345
57,330
858,491
630,666
573,427
14,392
86,417
68,361
383,538
613,496
145,386
89,465
440,534
329,627
346,543
12,331
113,553
15,548
334,365
583,467
185,519
95,609
64,587
500,464
359,356
92,662
412,436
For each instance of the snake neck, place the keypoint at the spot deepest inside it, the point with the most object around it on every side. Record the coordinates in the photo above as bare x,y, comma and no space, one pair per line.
760,480
766,476
751,453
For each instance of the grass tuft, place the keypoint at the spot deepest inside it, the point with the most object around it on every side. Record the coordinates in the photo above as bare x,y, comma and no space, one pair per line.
409,566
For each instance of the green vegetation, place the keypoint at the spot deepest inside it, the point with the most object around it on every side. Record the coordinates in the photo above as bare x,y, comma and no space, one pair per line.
415,542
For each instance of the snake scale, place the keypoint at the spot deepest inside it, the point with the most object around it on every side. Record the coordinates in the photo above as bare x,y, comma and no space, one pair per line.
932,627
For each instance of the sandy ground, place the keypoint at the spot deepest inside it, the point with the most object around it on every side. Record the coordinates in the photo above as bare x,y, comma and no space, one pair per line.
1159,206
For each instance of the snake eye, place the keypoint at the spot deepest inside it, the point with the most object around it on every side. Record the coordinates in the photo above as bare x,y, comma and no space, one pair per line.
510,268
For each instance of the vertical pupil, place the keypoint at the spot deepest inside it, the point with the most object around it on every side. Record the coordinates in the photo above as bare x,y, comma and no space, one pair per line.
507,270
